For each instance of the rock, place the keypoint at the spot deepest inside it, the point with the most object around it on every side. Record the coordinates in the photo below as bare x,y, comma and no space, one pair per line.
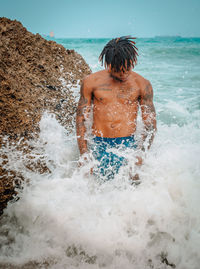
35,75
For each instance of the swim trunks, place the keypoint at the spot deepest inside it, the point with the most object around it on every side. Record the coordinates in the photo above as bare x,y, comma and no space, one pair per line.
104,151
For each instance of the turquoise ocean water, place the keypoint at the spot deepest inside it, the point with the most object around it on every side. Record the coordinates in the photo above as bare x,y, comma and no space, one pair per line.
69,220
172,64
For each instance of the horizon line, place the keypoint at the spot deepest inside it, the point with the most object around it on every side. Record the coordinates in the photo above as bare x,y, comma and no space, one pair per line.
157,36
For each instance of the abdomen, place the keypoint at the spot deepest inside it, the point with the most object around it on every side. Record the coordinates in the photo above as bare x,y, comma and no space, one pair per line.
114,120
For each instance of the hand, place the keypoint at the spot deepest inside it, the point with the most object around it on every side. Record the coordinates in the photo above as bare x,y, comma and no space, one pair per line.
91,171
139,161
135,177
84,160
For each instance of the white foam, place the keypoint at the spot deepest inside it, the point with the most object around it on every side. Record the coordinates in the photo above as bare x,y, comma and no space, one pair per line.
70,220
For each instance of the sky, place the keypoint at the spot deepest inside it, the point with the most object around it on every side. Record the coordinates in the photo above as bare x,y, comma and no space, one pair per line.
106,18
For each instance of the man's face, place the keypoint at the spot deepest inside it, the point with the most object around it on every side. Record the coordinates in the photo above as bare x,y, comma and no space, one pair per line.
121,75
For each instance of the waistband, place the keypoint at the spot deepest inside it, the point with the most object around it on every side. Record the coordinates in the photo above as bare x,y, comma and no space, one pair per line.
115,140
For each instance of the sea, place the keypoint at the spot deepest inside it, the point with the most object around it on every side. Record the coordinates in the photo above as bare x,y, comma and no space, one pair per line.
70,219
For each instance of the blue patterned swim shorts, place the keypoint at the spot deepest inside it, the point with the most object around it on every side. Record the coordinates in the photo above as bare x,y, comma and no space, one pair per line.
110,162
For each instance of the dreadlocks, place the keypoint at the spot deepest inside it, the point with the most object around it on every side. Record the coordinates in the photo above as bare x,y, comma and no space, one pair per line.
119,53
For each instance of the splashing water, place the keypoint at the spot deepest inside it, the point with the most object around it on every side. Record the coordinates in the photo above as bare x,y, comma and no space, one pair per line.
68,219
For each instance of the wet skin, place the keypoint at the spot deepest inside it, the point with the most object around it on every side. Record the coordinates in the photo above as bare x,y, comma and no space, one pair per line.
115,108
114,98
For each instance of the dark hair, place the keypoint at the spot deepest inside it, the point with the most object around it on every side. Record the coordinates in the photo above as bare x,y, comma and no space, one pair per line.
120,53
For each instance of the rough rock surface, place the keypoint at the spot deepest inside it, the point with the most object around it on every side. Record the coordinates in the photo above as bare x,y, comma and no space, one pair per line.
35,75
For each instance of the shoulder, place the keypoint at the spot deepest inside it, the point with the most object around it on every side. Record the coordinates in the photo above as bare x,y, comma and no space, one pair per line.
140,80
94,76
143,83
92,79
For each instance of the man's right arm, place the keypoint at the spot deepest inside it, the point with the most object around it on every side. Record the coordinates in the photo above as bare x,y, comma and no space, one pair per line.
82,114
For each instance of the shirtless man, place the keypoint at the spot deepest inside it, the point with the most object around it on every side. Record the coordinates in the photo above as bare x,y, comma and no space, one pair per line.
114,95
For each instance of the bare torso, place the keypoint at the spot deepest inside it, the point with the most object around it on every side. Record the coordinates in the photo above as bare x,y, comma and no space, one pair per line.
115,105
114,99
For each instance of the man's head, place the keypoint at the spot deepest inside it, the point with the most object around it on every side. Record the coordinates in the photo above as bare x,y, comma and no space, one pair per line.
119,54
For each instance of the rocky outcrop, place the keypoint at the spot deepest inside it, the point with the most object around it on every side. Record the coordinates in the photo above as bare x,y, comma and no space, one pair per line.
35,75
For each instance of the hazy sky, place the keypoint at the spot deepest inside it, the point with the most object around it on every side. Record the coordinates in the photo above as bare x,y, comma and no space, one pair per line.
106,18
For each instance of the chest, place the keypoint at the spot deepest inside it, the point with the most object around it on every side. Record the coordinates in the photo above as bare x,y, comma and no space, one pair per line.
125,94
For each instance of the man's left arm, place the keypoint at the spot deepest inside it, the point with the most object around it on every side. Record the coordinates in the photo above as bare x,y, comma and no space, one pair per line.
148,115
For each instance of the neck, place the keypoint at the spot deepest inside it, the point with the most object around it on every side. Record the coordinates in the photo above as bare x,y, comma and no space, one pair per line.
118,79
